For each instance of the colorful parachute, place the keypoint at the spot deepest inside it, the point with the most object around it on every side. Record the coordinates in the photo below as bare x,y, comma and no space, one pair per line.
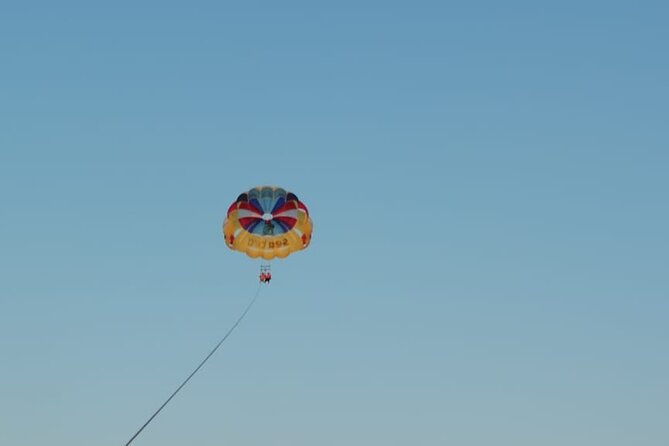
267,222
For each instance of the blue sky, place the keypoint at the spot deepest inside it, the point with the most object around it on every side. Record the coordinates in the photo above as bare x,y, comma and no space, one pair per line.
488,185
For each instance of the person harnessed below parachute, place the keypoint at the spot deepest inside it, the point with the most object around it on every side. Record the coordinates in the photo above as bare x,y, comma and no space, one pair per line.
265,277
265,273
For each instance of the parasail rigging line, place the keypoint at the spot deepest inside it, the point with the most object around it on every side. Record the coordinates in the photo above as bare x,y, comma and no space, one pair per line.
211,353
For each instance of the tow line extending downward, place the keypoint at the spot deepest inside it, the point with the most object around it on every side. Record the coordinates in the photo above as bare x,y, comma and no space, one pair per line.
211,353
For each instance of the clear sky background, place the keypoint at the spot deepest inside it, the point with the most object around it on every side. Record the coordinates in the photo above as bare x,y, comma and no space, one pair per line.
488,183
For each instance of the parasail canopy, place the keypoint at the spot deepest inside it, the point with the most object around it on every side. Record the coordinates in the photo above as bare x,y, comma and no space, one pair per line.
267,222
